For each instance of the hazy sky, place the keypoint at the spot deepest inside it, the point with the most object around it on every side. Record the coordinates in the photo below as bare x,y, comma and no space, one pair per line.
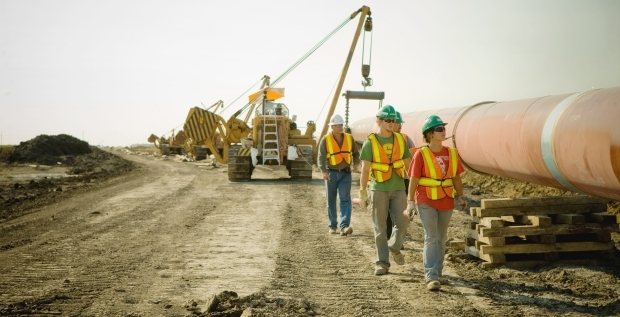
113,72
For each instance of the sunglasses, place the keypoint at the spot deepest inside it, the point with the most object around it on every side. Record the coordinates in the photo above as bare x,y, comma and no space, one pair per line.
388,120
439,129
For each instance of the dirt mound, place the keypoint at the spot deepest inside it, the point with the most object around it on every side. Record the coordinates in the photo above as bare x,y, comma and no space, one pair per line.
47,150
85,166
229,304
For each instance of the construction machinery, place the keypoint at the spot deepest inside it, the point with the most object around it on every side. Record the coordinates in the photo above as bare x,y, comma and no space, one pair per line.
173,144
271,137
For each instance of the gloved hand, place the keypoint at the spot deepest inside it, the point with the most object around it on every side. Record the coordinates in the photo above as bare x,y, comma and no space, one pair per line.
364,199
411,211
463,202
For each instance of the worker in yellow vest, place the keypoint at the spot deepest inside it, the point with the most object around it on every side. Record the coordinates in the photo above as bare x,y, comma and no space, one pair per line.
338,155
385,157
434,186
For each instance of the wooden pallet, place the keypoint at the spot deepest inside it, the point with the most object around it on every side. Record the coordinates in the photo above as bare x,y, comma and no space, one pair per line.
521,232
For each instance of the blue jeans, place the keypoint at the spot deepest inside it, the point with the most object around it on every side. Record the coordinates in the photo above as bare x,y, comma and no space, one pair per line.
339,184
435,225
388,204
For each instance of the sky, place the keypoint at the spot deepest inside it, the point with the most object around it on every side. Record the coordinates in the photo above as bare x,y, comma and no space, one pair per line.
114,72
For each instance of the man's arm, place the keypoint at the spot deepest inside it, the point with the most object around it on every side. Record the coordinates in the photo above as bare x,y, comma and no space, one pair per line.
413,185
356,155
365,174
321,159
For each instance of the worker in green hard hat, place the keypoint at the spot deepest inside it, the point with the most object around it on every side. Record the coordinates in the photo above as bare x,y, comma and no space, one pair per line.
434,186
385,158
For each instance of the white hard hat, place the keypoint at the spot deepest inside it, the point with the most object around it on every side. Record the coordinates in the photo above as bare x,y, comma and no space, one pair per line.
336,119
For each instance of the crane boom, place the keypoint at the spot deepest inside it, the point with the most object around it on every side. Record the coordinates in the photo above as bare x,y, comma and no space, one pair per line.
365,21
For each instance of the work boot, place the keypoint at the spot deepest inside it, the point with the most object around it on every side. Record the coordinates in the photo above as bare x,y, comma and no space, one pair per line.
333,231
398,257
381,270
433,285
345,231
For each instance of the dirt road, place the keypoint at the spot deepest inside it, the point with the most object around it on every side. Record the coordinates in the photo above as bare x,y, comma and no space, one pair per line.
166,238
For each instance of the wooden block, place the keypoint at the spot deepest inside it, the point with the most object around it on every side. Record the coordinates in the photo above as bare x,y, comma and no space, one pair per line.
469,242
555,229
473,211
603,237
496,241
475,219
492,258
570,219
479,227
540,201
601,217
545,248
544,238
551,256
492,222
540,221
457,244
542,210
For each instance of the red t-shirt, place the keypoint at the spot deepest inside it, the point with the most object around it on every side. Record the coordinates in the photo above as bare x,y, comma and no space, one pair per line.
417,170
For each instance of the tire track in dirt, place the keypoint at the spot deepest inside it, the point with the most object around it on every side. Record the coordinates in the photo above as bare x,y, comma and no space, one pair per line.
329,270
78,257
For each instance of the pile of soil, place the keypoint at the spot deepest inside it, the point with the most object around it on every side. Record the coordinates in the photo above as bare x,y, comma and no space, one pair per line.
88,166
47,150
229,304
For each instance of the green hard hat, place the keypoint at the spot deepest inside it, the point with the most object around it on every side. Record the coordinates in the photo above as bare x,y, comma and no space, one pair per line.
387,112
399,118
431,122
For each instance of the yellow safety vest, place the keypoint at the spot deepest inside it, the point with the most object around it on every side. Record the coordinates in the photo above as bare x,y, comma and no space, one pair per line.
381,165
437,185
335,153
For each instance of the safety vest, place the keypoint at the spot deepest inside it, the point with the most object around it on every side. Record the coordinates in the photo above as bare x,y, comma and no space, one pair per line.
381,166
411,149
437,185
336,153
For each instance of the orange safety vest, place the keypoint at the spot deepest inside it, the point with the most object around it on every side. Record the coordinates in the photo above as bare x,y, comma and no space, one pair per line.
335,153
381,166
437,185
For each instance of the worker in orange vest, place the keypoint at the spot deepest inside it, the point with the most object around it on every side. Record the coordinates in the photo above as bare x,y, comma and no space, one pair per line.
385,157
435,183
337,157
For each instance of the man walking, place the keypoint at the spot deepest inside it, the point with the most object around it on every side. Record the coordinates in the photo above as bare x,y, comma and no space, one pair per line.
337,153
384,158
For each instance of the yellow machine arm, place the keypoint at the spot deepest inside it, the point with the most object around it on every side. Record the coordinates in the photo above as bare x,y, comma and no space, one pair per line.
203,127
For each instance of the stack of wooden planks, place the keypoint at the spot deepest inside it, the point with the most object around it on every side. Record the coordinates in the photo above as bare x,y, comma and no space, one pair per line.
525,232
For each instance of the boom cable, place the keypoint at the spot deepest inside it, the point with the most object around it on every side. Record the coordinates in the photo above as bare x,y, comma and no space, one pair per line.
298,62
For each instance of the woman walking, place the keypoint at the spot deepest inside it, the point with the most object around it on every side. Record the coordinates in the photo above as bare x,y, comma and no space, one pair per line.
435,184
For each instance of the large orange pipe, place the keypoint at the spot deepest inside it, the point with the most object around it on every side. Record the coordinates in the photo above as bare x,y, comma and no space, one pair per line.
569,141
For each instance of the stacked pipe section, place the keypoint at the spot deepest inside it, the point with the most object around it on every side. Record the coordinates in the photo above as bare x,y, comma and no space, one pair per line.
569,141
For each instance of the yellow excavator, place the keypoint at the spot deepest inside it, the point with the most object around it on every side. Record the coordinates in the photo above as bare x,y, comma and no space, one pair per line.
173,144
273,137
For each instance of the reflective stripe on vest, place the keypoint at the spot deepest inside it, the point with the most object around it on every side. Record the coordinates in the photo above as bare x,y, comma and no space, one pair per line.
437,185
381,166
335,153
